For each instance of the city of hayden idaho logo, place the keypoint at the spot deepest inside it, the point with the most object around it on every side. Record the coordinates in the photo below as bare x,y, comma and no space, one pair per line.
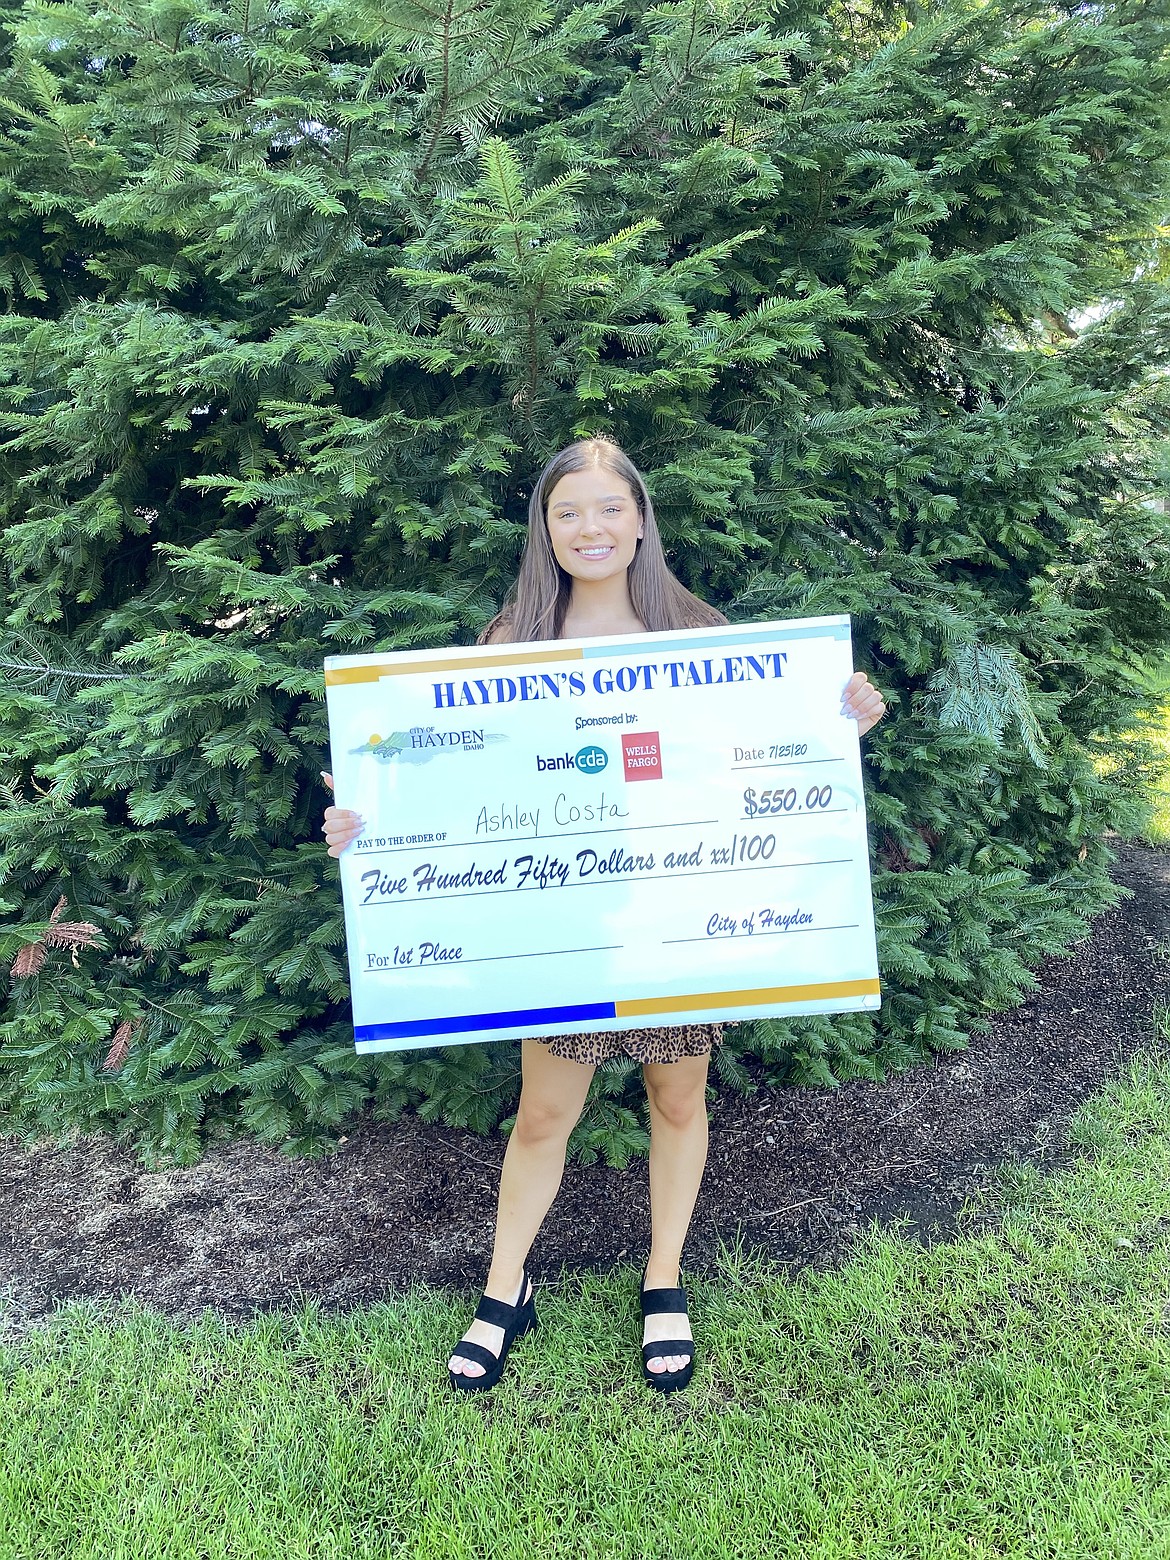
642,755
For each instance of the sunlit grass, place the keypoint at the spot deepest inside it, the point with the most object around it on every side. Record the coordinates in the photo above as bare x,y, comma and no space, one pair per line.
1141,758
1158,831
1140,761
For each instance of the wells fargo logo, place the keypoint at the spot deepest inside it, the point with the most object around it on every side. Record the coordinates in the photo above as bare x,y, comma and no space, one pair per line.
642,755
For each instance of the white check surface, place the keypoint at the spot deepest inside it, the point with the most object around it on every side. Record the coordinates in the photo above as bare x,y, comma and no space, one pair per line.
602,834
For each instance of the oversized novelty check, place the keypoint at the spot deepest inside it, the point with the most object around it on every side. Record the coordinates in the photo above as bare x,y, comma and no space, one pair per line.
600,834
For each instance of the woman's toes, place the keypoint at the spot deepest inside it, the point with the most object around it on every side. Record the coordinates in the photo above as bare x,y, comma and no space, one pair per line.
459,1366
482,1333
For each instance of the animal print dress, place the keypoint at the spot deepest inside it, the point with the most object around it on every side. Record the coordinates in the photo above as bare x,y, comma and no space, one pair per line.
644,1045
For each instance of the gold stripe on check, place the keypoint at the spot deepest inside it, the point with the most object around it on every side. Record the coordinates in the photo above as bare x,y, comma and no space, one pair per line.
374,671
719,999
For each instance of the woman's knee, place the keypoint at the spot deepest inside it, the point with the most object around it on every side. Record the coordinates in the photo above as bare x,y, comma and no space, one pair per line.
542,1119
552,1095
678,1103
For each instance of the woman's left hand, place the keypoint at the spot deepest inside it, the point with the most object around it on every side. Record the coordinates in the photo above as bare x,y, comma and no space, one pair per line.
863,702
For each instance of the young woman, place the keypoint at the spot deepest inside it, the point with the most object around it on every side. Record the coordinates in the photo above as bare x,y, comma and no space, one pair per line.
593,565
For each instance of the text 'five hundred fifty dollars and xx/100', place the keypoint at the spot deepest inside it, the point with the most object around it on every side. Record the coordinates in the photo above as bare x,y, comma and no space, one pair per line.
542,871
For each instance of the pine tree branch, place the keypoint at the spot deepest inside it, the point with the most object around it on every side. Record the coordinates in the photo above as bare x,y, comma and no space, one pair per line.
47,670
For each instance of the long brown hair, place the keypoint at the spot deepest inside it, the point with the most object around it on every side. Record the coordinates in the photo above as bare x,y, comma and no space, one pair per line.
536,605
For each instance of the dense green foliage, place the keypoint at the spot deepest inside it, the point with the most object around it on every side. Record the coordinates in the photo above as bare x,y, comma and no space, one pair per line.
301,297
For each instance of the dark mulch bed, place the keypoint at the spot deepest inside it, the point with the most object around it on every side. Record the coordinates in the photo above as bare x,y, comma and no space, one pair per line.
794,1172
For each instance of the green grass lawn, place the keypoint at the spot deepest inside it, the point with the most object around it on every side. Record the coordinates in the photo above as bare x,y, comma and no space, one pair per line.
1158,832
1154,735
1003,1394
1143,757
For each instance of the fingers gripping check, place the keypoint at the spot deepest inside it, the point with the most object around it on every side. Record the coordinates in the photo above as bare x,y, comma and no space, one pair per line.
863,702
341,826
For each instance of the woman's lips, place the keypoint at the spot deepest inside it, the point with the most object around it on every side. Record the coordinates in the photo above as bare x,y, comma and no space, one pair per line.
593,552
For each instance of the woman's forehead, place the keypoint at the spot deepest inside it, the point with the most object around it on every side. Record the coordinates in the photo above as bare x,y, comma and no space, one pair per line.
592,483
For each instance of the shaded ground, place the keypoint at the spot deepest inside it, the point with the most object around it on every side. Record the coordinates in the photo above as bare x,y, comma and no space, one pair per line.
794,1172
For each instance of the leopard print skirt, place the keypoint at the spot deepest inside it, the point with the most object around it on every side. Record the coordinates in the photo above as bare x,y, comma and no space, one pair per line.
644,1045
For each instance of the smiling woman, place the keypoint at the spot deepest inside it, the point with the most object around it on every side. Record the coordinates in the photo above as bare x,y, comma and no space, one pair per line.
593,531
593,565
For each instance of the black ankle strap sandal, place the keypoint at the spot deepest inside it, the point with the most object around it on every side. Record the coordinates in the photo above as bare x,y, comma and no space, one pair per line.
660,1302
516,1320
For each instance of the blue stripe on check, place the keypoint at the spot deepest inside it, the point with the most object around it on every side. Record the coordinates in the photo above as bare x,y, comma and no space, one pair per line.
451,1026
709,644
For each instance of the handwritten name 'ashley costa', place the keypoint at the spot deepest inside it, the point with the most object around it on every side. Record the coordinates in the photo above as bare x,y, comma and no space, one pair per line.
514,817
707,672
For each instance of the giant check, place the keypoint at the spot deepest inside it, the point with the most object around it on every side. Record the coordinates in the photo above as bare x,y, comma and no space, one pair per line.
581,835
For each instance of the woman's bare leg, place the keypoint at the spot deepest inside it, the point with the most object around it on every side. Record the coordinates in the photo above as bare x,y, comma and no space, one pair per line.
677,1092
552,1097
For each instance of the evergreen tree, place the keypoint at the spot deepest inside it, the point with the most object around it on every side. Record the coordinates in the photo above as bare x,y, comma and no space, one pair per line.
300,298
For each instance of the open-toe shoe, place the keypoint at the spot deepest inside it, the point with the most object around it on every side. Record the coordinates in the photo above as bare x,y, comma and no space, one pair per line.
657,1302
516,1320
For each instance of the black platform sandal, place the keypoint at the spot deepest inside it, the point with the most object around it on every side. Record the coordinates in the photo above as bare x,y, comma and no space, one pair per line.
516,1320
657,1302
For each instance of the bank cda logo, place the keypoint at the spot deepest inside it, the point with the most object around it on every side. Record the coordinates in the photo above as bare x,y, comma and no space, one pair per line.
589,760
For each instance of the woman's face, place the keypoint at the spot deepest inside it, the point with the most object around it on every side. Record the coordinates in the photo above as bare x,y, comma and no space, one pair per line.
593,524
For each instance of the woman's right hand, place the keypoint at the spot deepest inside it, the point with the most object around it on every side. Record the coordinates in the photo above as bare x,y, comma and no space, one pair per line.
341,826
